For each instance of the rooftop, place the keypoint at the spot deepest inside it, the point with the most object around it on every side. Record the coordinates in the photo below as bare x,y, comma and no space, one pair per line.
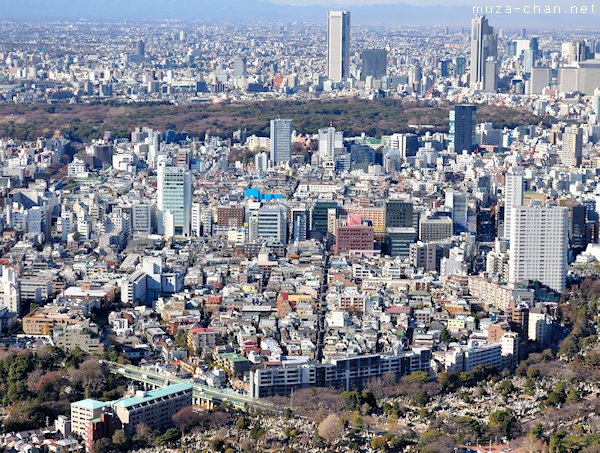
152,395
90,404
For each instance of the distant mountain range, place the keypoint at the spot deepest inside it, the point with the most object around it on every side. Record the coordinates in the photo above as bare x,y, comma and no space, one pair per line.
263,10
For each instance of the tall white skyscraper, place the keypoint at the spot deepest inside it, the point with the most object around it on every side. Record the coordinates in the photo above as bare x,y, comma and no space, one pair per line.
571,153
281,141
484,44
174,201
539,245
261,163
338,45
11,293
596,104
196,219
329,141
513,197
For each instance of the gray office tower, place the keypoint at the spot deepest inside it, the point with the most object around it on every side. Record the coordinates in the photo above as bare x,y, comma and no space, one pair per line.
484,44
240,67
141,48
281,141
463,119
338,45
374,63
398,214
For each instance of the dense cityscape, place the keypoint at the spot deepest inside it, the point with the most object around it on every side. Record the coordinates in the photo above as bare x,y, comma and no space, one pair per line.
240,237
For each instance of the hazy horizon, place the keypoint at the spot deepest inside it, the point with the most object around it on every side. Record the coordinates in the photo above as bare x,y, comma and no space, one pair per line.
367,12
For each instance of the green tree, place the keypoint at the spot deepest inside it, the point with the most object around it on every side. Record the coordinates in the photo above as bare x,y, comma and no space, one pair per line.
502,421
506,387
379,443
418,377
241,423
181,338
445,335
120,441
421,398
103,445
448,381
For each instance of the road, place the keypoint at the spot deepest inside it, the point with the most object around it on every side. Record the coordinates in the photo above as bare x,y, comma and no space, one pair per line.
322,308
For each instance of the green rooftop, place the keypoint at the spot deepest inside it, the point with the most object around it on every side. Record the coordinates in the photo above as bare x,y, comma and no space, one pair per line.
232,356
91,405
152,395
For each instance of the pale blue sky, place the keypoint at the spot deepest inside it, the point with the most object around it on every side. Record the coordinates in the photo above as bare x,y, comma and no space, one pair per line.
424,2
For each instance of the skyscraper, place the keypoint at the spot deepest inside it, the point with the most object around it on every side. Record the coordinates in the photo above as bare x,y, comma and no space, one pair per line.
329,141
458,204
281,141
463,119
141,48
269,223
484,44
460,66
299,224
338,45
596,104
240,66
374,63
490,82
539,245
577,51
513,197
399,214
174,201
572,147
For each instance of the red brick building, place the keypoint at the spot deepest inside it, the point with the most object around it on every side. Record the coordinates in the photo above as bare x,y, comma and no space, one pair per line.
352,236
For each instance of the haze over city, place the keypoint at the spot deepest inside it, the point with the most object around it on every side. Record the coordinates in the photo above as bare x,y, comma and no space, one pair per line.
428,12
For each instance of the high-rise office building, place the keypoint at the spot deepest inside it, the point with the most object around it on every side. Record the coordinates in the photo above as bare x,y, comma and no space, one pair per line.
578,229
240,67
571,153
484,44
320,215
281,141
329,141
352,235
374,63
457,203
269,223
299,224
539,245
576,51
261,163
141,219
174,201
513,197
141,48
463,120
442,66
338,45
490,82
460,66
535,47
399,214
541,77
596,104
11,290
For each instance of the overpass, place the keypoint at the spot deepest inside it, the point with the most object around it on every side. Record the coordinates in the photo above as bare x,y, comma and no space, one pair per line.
203,395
